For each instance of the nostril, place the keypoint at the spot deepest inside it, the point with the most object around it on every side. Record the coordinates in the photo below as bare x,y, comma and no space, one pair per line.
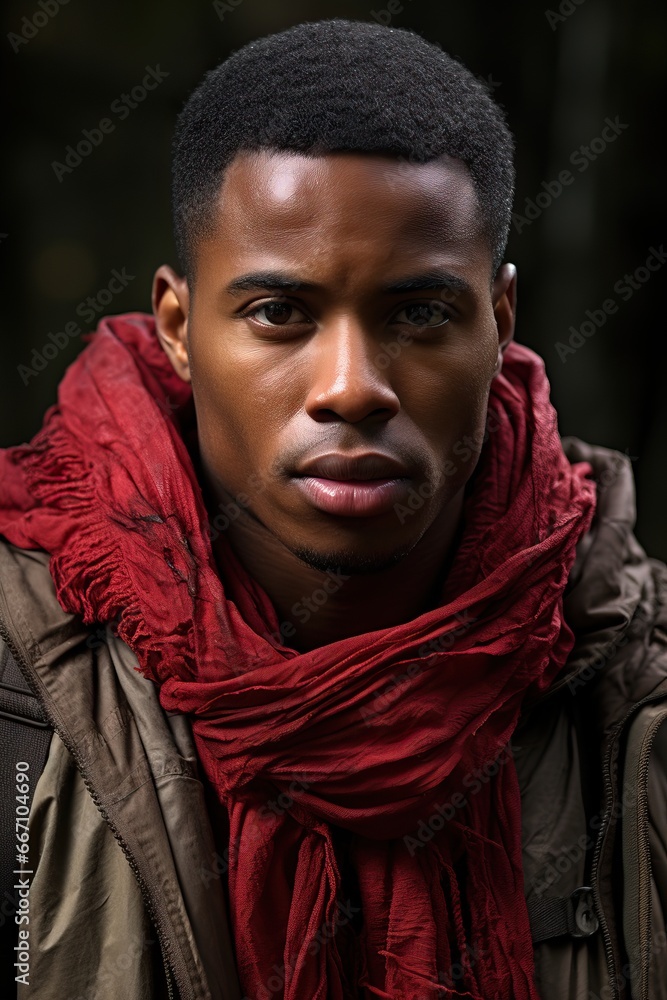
326,415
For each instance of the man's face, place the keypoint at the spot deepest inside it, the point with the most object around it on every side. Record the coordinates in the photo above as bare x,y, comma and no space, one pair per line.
343,411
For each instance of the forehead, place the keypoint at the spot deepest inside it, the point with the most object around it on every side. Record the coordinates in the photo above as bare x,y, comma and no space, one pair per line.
346,205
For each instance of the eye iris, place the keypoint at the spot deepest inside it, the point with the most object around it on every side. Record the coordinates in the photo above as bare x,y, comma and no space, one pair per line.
421,313
277,312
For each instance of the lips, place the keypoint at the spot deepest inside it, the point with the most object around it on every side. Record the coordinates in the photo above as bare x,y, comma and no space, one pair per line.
343,468
353,486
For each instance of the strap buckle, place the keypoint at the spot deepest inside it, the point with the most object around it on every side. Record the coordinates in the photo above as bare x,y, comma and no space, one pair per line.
585,919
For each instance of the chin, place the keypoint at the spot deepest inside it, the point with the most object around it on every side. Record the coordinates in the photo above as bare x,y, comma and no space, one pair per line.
351,563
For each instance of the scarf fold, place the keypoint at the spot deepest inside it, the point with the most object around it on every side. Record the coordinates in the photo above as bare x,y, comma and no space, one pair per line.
374,809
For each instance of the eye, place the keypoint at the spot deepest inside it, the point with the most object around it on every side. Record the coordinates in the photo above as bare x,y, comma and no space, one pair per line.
278,313
424,314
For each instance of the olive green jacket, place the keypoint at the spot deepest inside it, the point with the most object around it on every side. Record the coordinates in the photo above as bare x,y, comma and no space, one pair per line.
129,848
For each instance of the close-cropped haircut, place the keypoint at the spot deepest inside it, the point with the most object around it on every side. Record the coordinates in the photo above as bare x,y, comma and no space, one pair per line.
333,85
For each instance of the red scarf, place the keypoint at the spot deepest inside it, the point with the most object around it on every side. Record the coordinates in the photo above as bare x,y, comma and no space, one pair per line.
374,810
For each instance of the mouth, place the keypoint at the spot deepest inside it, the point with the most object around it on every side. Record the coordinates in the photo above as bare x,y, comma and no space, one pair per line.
353,486
353,498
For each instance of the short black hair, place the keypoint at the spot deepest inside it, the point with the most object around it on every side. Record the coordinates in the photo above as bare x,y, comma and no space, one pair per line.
332,85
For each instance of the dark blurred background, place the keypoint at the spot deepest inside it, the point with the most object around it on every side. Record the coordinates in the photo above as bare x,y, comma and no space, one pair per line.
559,71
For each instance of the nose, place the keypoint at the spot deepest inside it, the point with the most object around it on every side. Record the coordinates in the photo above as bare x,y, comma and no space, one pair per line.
347,381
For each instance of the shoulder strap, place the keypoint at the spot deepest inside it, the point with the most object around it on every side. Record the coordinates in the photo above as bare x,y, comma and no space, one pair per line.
563,916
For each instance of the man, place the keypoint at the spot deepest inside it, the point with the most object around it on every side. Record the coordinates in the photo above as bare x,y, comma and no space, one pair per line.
356,671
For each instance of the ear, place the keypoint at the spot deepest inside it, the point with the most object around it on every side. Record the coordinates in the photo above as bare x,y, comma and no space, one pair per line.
171,304
503,297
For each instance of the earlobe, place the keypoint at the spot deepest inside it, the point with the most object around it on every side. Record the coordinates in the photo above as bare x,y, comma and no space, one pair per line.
171,304
504,308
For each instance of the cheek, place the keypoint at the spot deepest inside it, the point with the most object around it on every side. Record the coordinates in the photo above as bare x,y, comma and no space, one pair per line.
447,395
241,403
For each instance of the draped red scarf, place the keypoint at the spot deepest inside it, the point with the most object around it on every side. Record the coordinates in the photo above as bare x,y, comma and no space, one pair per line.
374,810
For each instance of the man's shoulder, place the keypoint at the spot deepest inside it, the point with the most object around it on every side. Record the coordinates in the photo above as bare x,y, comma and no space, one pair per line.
616,598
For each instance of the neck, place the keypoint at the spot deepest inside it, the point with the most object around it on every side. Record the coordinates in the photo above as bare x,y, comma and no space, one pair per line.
315,608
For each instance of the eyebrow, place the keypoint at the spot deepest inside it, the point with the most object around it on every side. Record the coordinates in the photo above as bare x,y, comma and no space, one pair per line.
429,280
282,281
273,280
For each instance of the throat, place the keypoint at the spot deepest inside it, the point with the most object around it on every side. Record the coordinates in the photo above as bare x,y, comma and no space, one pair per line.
317,605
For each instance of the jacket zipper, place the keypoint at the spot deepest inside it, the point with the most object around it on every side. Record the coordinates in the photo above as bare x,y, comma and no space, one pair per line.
165,945
609,794
606,936
645,852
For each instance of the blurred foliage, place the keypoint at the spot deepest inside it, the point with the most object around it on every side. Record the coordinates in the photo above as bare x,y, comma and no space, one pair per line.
559,71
